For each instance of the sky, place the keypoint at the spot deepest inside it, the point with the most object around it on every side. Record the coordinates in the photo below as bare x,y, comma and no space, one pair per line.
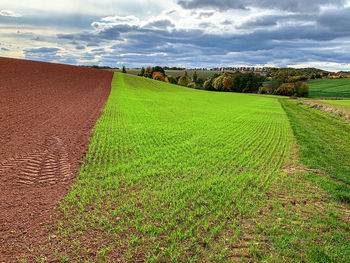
191,34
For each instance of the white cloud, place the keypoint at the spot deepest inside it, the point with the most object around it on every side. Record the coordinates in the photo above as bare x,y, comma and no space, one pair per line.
330,66
118,20
9,13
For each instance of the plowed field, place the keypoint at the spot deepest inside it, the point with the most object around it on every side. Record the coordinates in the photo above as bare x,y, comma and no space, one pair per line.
47,112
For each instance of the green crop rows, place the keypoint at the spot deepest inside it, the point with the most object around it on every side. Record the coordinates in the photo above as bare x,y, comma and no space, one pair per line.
330,88
182,175
171,169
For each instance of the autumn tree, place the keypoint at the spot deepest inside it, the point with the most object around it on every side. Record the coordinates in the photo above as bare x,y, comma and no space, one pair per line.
184,80
158,69
158,76
148,72
208,85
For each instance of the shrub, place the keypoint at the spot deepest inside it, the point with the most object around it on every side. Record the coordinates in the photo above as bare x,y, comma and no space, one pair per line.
200,81
172,80
148,72
192,85
195,77
263,90
301,89
208,85
158,76
184,80
283,90
142,72
124,69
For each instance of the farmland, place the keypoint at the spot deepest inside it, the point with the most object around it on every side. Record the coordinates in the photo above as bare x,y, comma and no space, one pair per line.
328,88
47,112
176,174
171,174
339,102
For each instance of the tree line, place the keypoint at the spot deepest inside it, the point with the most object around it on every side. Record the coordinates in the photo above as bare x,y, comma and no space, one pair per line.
229,82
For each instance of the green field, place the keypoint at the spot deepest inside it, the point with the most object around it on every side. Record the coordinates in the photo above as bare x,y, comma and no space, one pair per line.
338,102
329,88
182,175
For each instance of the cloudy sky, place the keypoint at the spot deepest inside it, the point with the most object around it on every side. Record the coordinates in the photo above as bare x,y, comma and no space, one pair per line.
189,33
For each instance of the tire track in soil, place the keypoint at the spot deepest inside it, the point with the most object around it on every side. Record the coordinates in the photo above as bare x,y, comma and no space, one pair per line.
48,166
47,112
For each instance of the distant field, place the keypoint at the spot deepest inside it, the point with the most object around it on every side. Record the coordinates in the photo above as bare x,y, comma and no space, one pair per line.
201,74
175,73
339,102
330,88
182,175
342,105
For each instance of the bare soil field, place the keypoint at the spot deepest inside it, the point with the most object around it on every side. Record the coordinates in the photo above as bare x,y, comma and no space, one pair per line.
47,112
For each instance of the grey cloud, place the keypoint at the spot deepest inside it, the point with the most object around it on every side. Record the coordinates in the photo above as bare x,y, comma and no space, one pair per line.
4,49
287,5
205,24
170,12
227,22
42,54
161,24
273,20
290,41
42,50
338,20
205,14
80,47
51,19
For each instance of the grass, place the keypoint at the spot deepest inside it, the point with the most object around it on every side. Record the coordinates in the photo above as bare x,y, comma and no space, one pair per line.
330,88
171,171
338,105
182,175
339,102
324,142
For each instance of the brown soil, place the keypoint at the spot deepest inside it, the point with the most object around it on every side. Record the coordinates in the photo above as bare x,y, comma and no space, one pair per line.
47,112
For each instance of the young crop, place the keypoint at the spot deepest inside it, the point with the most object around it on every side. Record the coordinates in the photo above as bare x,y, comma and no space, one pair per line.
173,173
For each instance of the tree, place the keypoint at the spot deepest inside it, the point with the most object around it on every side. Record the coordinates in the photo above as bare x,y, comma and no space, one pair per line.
228,83
158,69
172,80
158,76
184,80
218,83
142,73
124,69
275,84
208,85
195,77
301,89
148,72
284,90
